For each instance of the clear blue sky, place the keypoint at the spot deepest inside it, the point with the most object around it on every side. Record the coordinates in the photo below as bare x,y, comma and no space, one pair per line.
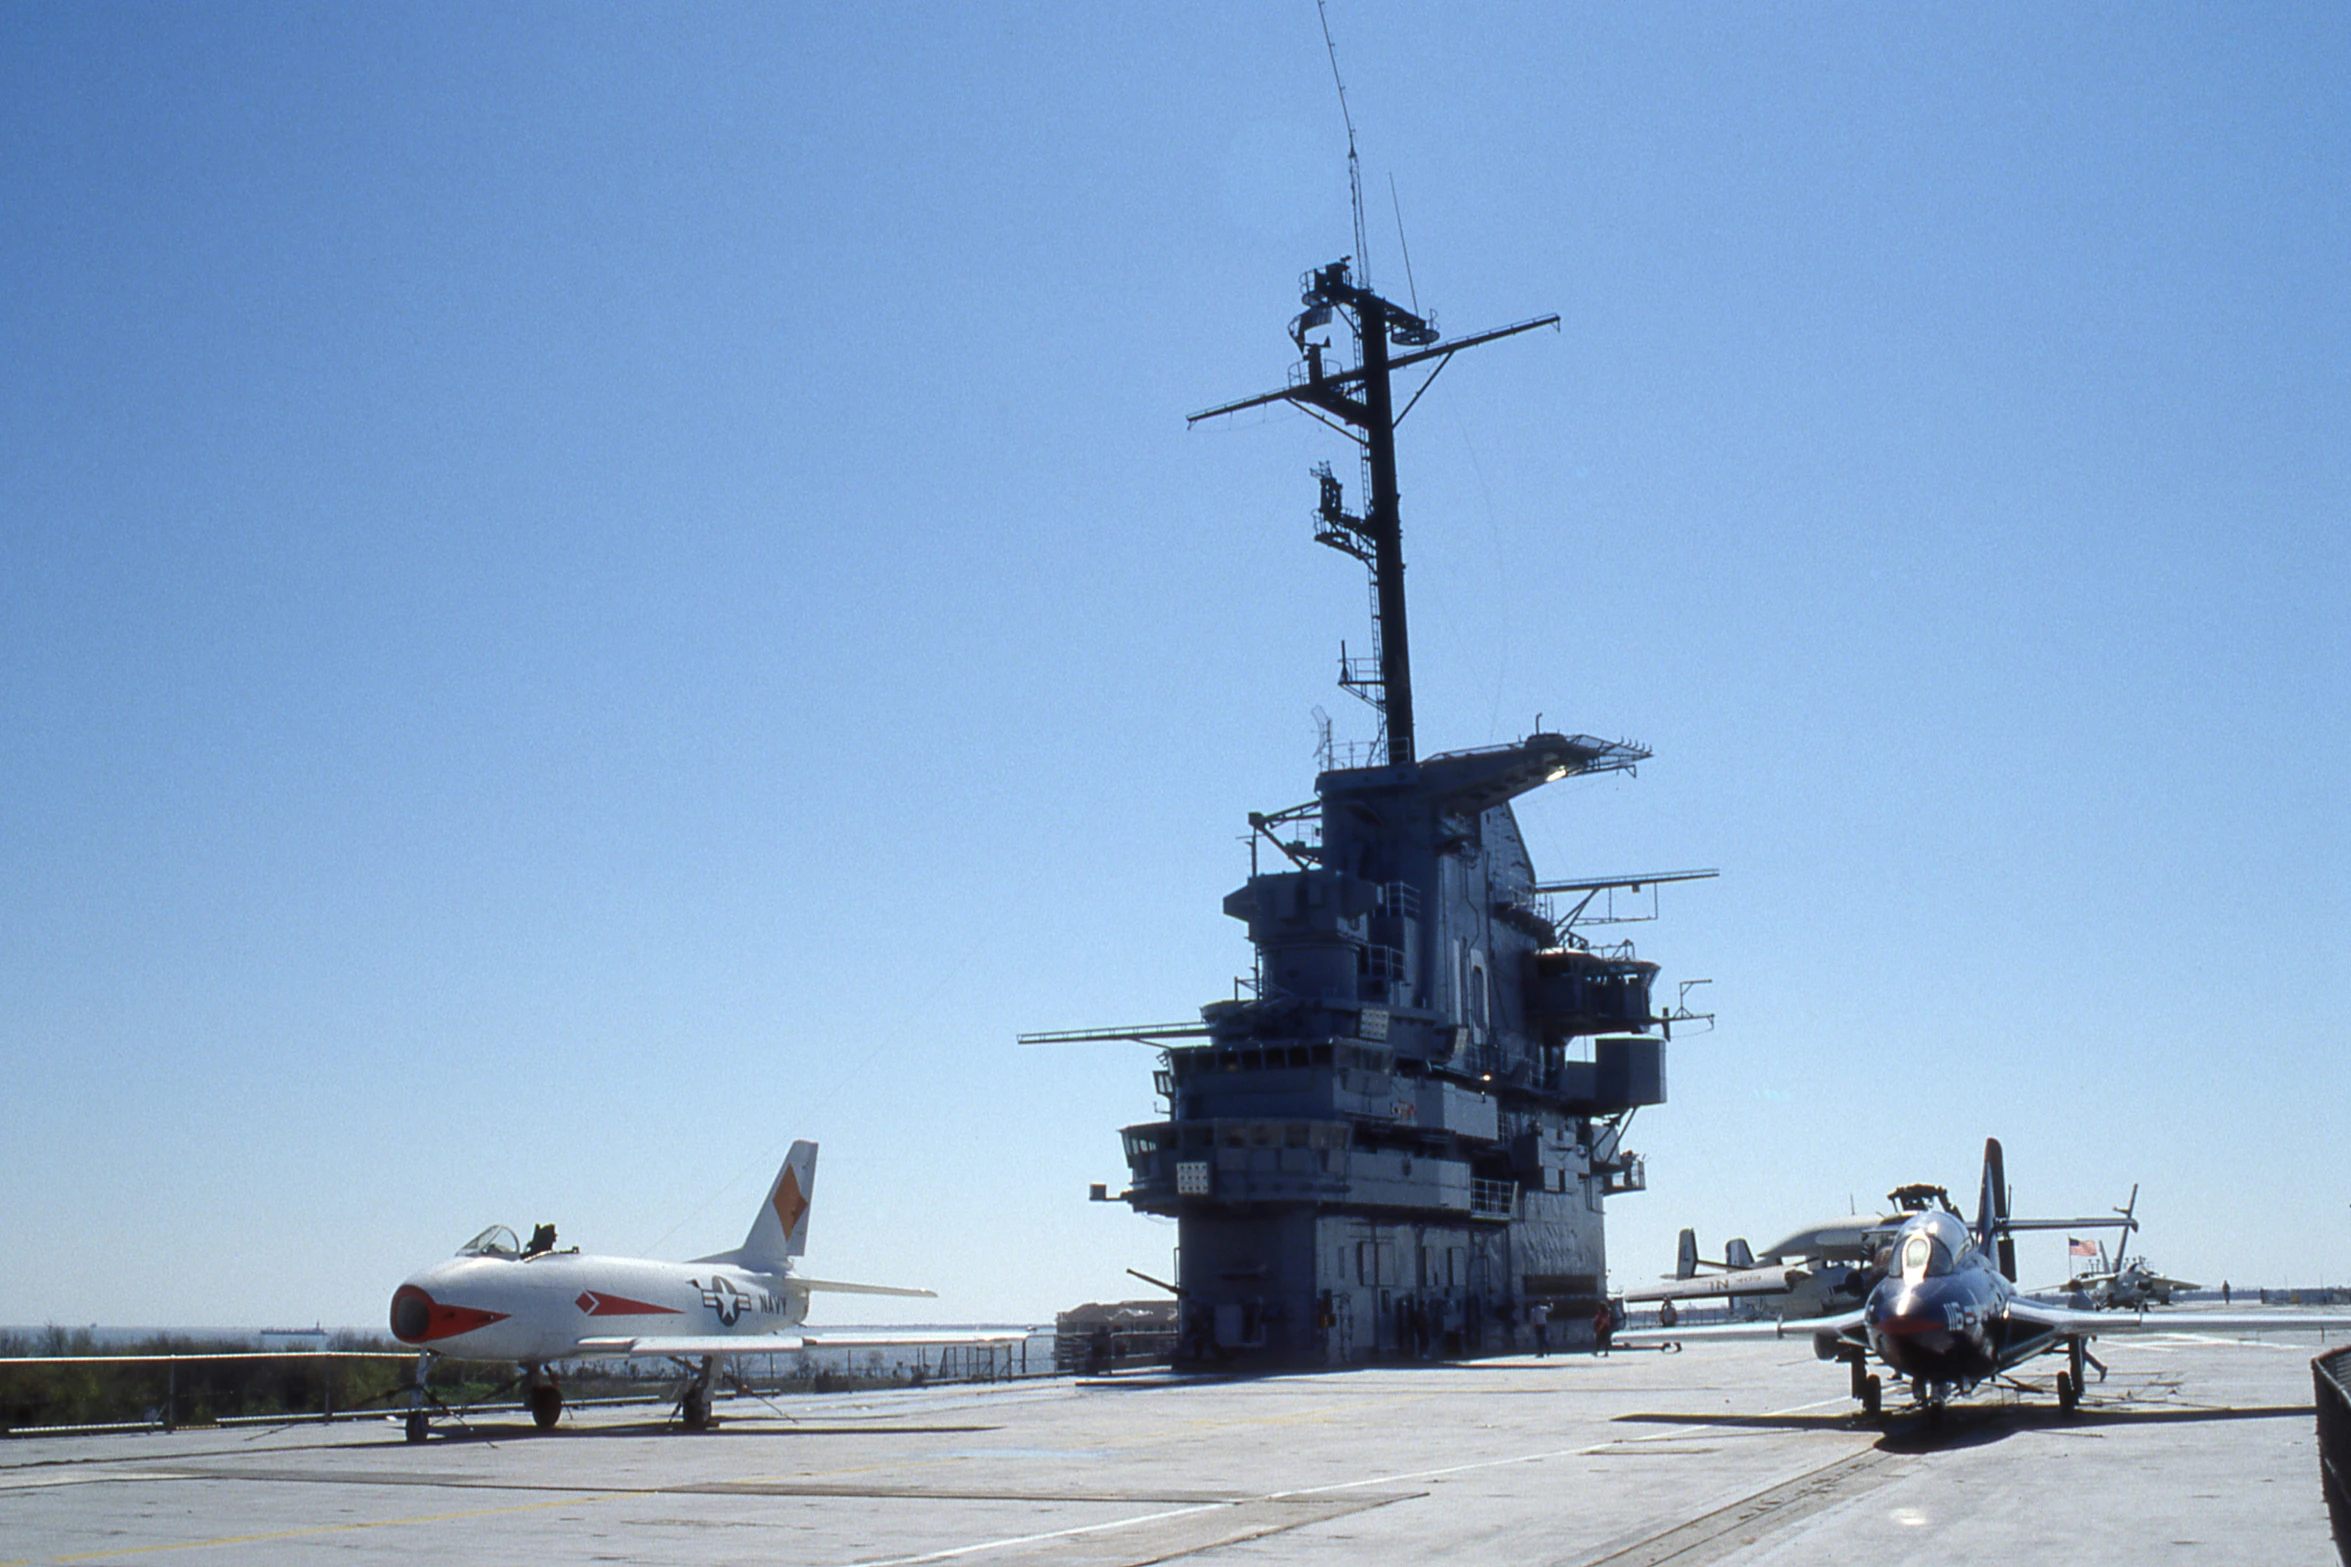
586,591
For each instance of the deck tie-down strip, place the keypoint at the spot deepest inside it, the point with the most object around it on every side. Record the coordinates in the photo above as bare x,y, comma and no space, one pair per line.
848,1490
1716,1534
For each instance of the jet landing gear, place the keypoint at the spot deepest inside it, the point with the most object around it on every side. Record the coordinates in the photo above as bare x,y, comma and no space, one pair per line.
1866,1387
694,1406
2069,1381
542,1397
418,1425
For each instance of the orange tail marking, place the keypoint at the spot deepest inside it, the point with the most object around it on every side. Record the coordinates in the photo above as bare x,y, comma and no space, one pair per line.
789,1204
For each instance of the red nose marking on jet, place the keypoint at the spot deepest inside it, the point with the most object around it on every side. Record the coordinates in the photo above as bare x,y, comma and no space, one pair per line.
417,1318
596,1305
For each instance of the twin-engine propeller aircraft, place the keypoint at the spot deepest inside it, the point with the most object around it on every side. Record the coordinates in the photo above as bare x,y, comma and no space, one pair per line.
535,1305
1948,1316
1812,1273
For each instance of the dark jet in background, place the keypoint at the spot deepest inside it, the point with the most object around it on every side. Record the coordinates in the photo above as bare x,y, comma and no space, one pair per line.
1948,1316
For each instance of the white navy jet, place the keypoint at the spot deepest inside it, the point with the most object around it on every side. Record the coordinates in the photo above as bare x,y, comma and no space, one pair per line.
535,1305
1948,1316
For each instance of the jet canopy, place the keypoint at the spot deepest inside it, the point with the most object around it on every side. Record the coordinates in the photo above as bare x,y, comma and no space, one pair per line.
1932,1245
496,1241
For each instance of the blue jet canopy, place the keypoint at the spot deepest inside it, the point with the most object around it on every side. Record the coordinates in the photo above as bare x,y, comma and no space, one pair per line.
1935,1243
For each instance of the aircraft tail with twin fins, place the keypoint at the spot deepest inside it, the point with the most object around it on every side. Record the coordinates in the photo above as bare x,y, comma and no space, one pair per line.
779,1230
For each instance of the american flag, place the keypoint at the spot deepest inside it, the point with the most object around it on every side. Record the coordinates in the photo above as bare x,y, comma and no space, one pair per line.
2079,1248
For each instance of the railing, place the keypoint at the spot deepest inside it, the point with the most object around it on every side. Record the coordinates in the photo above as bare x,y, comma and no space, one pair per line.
1630,1174
2331,1375
1492,1199
78,1395
74,1394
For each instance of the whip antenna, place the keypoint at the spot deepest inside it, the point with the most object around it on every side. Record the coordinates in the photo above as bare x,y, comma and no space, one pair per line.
1354,166
1402,248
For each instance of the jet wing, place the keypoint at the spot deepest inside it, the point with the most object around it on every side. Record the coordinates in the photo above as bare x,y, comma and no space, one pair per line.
782,1343
1773,1280
2058,1319
886,1340
715,1344
1838,1326
837,1288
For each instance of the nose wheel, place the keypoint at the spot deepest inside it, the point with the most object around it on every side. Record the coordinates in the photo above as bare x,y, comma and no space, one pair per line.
2069,1381
694,1405
1866,1387
546,1405
419,1425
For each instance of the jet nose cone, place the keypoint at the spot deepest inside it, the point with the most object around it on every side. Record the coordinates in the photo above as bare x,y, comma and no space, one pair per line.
412,1315
417,1318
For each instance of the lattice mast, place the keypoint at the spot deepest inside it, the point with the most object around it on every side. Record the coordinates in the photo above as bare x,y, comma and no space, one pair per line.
1360,402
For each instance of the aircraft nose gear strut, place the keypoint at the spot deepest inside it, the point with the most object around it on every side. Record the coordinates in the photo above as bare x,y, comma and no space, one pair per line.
543,1396
418,1424
1866,1386
694,1404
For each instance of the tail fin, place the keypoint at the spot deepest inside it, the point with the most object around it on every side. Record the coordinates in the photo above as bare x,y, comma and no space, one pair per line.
1987,1203
1685,1262
1736,1253
1991,1213
779,1231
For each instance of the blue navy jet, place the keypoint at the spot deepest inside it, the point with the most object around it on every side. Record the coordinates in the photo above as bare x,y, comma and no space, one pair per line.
1948,1317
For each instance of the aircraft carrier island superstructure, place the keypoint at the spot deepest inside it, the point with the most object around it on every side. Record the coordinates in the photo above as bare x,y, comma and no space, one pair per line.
1399,1141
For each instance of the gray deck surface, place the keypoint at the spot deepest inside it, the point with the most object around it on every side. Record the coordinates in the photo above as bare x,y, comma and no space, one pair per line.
2194,1449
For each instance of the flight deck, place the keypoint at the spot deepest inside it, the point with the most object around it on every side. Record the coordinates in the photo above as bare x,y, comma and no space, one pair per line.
2194,1448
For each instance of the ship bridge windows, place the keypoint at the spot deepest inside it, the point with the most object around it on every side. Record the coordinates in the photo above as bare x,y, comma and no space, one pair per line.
1250,1058
1280,1134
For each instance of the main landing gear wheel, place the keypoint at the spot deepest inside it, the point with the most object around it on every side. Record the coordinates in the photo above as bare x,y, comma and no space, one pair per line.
546,1404
694,1404
417,1425
2068,1394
